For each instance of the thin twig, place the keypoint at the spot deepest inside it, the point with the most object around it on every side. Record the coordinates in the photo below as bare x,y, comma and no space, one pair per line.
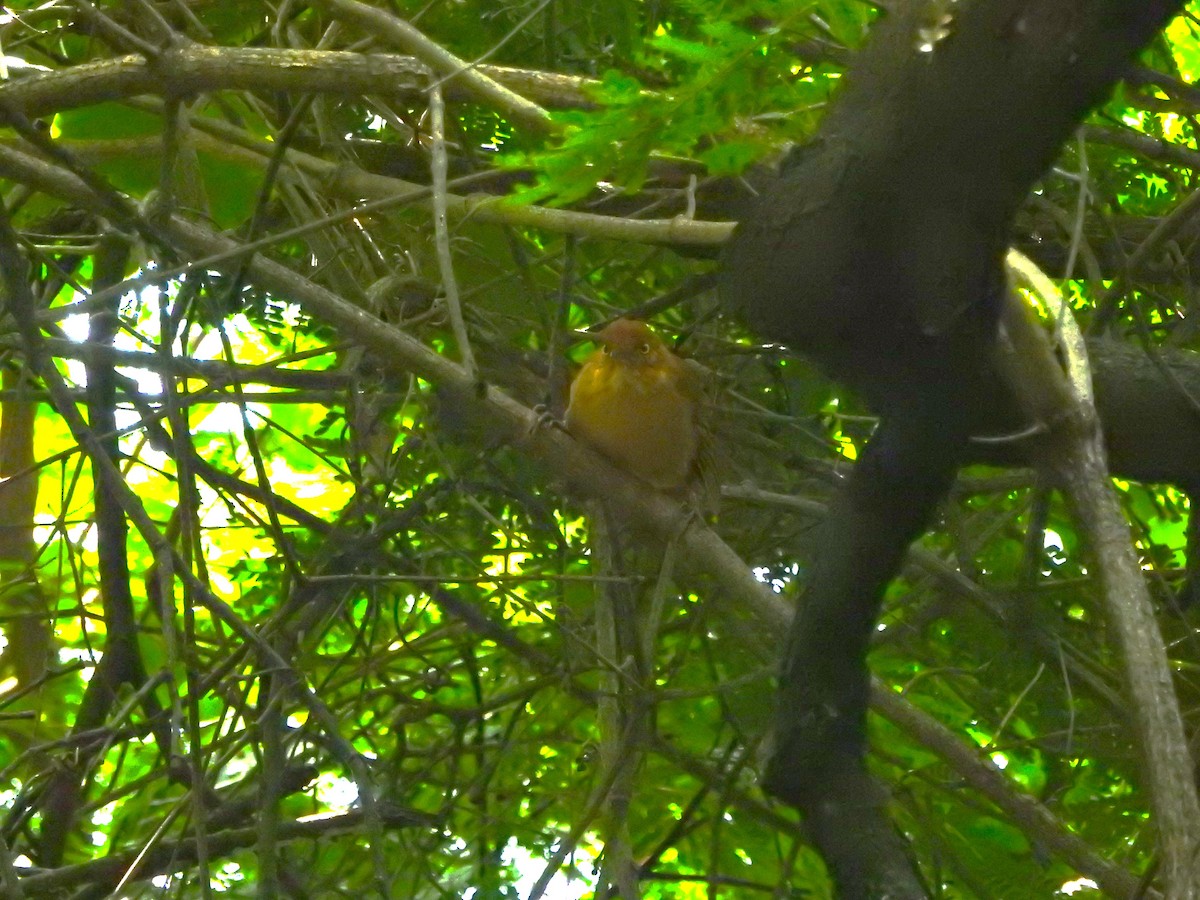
411,40
437,121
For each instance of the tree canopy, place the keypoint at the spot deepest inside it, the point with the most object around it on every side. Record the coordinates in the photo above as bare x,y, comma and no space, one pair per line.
303,595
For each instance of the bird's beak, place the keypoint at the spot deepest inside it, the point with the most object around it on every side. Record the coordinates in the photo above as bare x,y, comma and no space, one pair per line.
630,356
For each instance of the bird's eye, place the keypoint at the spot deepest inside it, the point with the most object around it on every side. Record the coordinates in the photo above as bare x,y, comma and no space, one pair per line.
644,349
605,349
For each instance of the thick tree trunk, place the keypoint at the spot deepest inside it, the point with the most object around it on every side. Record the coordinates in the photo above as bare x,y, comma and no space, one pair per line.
881,255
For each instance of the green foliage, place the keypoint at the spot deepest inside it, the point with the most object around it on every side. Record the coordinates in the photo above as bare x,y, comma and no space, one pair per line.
712,77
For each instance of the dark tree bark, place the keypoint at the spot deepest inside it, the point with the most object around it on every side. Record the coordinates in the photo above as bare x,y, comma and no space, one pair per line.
1147,403
880,254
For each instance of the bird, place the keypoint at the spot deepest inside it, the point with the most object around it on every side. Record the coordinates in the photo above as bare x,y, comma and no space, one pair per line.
637,403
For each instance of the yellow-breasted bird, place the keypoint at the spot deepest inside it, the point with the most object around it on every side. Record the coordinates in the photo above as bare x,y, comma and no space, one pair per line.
636,402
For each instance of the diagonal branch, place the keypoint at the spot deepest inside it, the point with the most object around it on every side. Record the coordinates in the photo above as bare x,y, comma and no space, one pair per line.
1075,454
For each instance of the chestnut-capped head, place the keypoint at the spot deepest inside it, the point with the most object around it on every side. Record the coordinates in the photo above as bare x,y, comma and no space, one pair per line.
632,342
